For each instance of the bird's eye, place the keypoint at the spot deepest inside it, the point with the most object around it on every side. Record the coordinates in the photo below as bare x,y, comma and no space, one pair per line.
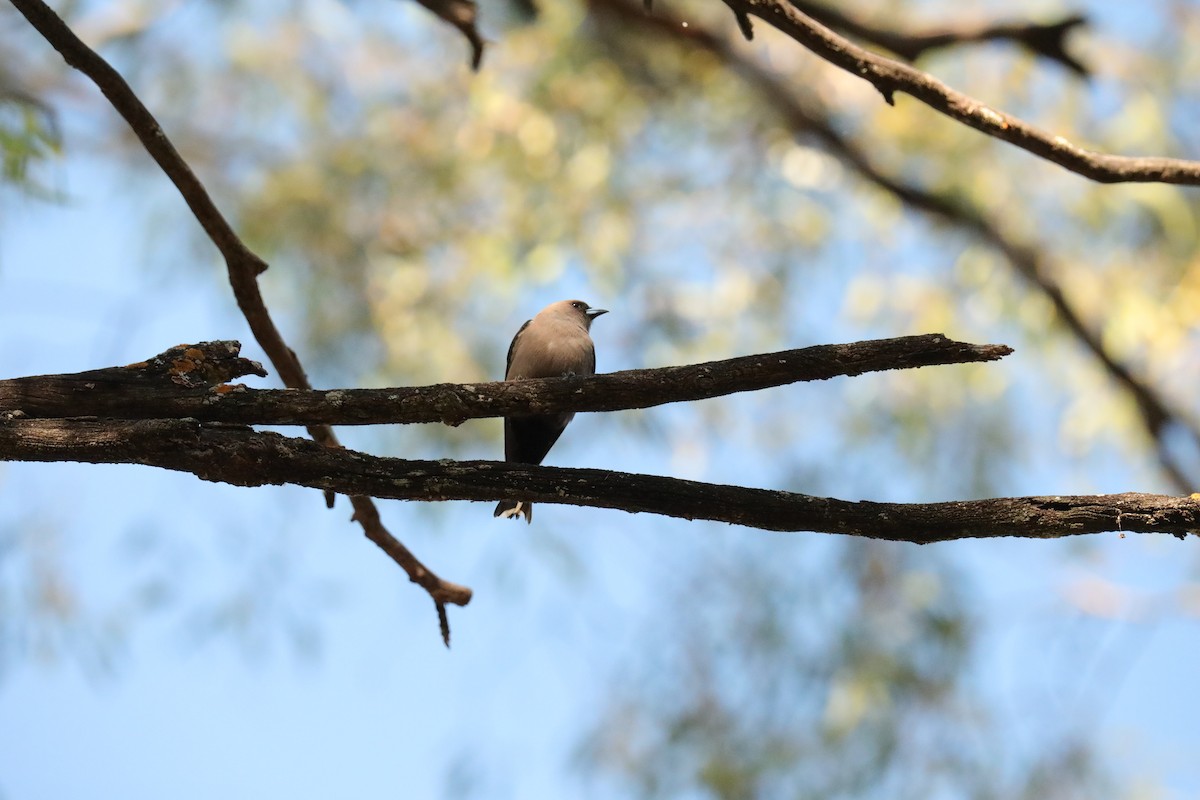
578,305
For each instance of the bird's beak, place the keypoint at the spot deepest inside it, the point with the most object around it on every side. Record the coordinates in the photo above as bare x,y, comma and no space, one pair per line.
592,313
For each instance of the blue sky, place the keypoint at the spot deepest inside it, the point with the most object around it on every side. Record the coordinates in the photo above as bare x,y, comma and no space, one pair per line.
381,708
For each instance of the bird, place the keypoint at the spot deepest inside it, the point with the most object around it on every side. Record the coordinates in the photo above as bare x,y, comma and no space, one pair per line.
555,343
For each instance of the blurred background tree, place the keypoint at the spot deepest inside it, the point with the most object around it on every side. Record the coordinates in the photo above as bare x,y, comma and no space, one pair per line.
415,213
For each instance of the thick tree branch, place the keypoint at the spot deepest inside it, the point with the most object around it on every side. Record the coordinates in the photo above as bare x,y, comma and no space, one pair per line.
806,118
245,457
148,391
890,76
243,265
1046,39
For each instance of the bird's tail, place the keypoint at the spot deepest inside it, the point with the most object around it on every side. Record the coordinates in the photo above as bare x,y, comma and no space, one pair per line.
511,509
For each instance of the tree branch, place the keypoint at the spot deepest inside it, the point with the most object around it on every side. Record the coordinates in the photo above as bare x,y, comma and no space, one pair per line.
151,390
245,457
806,119
1044,39
890,76
243,265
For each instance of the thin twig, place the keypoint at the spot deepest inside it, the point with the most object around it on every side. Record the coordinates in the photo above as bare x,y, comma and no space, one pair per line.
1046,39
461,14
245,457
806,119
243,265
890,76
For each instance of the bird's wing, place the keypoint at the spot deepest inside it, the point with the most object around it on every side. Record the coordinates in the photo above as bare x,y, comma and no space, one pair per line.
512,348
589,363
527,440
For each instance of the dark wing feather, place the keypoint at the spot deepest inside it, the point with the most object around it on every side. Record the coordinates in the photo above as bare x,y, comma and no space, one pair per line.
512,348
590,366
527,440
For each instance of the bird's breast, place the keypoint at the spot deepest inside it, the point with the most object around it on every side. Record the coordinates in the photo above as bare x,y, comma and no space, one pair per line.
548,353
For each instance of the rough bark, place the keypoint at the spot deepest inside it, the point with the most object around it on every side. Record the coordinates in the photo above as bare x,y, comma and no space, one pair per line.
244,457
157,388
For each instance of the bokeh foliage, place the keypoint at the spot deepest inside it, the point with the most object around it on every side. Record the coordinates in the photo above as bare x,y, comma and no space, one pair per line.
411,208
846,675
29,136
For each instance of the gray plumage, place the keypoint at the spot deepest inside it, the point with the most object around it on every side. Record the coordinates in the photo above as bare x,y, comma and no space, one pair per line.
554,343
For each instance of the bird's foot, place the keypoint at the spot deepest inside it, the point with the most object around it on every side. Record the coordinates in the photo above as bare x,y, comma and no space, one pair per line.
521,509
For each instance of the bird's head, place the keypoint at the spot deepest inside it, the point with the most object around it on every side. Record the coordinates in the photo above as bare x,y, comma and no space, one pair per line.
576,309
